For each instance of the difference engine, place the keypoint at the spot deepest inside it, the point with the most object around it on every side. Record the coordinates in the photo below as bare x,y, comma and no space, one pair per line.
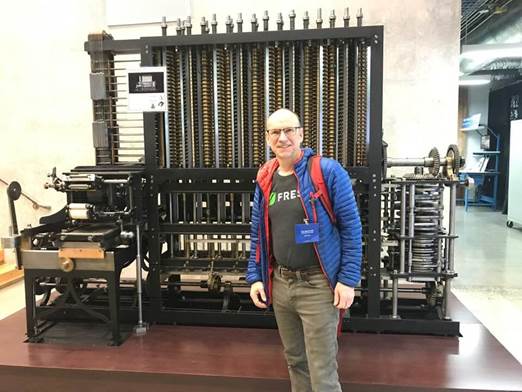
172,190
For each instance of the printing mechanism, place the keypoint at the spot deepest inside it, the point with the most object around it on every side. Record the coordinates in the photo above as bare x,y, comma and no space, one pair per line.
74,258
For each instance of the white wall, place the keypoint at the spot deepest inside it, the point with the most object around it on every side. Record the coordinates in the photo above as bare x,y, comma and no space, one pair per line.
46,100
46,109
478,101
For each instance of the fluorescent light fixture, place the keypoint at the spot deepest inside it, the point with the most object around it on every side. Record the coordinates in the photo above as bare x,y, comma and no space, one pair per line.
491,52
474,80
474,57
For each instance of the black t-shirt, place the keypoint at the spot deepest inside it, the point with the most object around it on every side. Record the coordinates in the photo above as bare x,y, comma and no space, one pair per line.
285,211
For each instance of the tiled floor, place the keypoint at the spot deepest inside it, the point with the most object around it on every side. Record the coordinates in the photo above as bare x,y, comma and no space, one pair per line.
488,259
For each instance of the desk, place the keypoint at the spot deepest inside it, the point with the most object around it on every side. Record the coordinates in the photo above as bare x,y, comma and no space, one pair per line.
478,179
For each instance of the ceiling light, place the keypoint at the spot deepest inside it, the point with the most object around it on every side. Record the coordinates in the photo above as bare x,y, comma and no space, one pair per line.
474,80
491,51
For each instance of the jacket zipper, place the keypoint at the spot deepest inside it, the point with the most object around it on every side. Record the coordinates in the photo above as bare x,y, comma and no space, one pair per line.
314,211
269,252
314,244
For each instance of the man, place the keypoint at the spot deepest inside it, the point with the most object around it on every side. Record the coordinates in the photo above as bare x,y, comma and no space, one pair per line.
300,262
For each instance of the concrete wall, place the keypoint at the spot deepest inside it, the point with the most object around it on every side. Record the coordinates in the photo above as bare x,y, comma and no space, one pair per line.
45,93
44,96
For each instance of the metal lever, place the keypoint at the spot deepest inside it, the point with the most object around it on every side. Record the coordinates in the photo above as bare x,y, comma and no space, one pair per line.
36,205
55,182
14,190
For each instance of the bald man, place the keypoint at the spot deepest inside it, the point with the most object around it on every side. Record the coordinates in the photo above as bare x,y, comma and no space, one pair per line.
301,263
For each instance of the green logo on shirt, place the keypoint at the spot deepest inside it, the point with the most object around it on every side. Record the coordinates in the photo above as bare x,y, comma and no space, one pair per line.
272,199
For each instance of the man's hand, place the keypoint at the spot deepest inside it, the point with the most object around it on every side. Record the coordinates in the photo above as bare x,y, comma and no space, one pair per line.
343,296
257,293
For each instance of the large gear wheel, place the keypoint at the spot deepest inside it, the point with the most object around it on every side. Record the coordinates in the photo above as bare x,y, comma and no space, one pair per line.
434,153
453,161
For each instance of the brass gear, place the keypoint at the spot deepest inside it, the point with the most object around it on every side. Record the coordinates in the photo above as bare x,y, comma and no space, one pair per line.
453,162
434,153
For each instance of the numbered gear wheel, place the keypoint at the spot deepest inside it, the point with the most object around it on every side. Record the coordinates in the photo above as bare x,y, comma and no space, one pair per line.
434,153
453,161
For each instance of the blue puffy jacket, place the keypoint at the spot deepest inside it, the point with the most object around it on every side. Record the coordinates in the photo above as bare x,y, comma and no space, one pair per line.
339,249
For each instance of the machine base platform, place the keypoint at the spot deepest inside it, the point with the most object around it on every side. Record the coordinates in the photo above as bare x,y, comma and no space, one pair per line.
182,358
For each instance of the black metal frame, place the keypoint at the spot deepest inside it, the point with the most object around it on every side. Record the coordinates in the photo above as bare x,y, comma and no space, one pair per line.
75,303
368,180
39,317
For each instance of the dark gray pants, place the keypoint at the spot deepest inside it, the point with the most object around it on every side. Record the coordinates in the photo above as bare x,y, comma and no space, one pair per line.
307,323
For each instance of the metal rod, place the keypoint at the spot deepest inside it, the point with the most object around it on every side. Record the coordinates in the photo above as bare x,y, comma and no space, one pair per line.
291,78
426,162
332,19
229,25
265,21
292,20
411,222
320,94
239,22
179,27
279,21
346,17
319,19
403,229
164,26
359,17
450,249
140,327
451,243
12,213
395,296
214,24
188,25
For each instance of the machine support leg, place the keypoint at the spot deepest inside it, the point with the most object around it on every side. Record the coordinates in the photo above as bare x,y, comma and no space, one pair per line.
30,307
114,306
451,249
141,327
395,296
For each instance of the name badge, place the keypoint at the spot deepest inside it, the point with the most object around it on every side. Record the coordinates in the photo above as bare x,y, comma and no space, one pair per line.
306,233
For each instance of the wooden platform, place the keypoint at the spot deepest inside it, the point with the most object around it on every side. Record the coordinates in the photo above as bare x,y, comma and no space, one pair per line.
9,274
182,358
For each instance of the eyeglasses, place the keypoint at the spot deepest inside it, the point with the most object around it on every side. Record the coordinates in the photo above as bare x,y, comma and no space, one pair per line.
276,132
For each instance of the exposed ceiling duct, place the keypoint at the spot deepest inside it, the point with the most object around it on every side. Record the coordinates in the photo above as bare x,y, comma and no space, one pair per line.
478,15
501,61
